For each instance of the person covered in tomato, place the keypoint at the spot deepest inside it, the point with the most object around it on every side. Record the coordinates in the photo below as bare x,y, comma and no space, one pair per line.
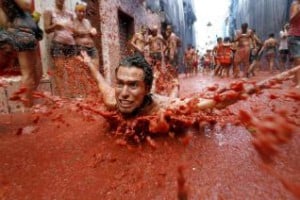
207,61
132,95
226,57
218,53
243,40
136,113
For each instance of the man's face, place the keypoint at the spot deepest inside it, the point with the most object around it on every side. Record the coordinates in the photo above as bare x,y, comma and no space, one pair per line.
80,13
143,30
168,30
154,31
130,89
60,3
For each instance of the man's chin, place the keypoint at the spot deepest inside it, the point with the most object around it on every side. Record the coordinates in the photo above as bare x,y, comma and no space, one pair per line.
125,111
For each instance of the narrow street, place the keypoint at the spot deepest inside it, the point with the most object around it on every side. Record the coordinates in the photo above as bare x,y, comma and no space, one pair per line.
80,159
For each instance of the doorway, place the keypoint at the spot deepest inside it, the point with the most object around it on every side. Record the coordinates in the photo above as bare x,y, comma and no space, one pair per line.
126,31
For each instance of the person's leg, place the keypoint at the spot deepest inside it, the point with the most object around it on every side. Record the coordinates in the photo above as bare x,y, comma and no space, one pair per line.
27,61
217,68
59,72
294,50
297,75
252,67
236,70
227,68
236,63
282,59
271,63
246,60
221,71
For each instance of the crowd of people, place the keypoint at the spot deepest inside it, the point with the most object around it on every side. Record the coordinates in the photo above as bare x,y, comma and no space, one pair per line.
245,51
70,33
73,34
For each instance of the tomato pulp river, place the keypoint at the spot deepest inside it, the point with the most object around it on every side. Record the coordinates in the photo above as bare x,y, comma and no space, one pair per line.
80,159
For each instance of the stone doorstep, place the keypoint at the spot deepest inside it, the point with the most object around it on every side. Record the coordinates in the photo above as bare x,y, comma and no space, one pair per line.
7,106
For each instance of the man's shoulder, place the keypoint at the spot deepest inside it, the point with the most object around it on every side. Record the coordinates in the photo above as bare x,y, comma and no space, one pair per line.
159,98
158,104
161,101
86,21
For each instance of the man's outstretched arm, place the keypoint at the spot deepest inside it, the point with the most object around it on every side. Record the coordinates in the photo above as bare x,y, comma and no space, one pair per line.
106,90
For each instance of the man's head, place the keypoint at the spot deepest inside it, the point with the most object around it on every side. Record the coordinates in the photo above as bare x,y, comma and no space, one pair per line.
219,40
169,30
154,30
60,4
286,26
134,78
227,39
271,35
244,27
80,10
143,29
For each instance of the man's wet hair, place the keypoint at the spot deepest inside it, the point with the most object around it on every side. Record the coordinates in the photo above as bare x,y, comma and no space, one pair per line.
271,35
138,61
244,27
227,39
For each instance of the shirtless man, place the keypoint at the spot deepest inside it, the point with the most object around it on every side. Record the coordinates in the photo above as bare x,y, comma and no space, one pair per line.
196,62
188,59
139,41
225,56
243,49
172,47
131,96
218,53
156,45
207,61
269,47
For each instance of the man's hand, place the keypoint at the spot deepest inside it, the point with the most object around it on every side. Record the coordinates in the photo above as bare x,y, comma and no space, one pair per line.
84,57
93,31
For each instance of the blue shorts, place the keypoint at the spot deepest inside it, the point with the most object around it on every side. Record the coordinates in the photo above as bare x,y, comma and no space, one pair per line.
294,46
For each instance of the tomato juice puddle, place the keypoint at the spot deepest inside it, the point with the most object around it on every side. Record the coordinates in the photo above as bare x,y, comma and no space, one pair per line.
268,131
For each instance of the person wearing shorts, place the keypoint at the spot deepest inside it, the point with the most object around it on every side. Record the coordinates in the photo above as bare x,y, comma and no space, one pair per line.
20,33
283,46
59,22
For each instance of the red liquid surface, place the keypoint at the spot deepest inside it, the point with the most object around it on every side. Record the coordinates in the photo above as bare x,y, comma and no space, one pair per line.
63,155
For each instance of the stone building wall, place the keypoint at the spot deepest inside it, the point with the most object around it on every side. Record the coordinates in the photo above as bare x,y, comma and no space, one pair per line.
110,28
